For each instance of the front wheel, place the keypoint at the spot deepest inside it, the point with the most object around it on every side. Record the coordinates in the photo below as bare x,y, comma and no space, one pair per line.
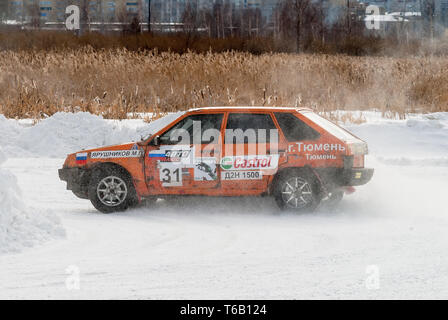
111,190
297,191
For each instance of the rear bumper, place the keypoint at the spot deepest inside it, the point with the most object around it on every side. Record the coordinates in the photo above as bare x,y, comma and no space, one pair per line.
76,178
356,177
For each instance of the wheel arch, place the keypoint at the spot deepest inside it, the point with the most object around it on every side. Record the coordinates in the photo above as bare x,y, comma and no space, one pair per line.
112,165
109,165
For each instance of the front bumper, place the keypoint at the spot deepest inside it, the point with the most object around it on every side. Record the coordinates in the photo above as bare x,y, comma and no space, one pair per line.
356,177
76,178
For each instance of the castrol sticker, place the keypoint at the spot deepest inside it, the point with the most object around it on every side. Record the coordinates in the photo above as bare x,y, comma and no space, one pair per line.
245,163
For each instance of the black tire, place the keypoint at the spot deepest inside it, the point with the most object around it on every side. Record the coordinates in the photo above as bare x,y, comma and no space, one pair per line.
111,190
297,190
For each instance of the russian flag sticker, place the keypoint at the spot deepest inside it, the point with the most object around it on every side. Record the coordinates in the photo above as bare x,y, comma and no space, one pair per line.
157,154
81,158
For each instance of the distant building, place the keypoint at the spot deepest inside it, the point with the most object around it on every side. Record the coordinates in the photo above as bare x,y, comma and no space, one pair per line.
172,11
265,6
162,10
395,5
442,11
54,10
15,9
406,7
25,10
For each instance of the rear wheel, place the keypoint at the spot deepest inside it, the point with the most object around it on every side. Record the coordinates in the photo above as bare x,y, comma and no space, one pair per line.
111,190
296,190
334,198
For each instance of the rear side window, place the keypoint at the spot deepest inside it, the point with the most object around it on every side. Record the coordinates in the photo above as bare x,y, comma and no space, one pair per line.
295,129
250,122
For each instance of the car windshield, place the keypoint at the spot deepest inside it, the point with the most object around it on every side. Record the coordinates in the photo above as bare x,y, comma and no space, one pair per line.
157,125
329,126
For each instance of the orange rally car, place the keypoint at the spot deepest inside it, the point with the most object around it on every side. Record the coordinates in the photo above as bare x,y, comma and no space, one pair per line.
292,154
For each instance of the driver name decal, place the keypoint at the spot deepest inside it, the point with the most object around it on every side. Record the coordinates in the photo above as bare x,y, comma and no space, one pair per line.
116,154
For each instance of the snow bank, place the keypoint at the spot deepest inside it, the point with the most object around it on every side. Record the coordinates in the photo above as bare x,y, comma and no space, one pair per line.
21,226
9,132
65,133
420,140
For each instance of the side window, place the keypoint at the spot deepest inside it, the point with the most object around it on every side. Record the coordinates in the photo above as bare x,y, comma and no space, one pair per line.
254,126
295,129
186,129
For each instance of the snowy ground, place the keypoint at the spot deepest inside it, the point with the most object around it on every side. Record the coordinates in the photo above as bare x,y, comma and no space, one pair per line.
388,240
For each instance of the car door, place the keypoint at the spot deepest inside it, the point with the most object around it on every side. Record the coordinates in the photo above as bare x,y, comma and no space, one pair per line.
250,151
185,159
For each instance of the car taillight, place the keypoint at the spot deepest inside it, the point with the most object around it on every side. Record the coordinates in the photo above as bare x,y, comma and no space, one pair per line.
358,161
358,148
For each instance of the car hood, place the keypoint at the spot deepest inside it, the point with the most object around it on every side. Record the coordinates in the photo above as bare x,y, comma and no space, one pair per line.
125,146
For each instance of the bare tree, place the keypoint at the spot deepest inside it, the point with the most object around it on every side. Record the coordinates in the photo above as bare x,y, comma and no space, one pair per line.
428,9
286,19
121,15
321,18
100,16
305,16
217,13
140,14
3,11
84,12
190,21
229,12
206,18
348,19
32,10
149,16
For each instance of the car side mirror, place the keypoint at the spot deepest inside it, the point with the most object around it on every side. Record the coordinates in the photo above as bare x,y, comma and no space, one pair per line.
156,141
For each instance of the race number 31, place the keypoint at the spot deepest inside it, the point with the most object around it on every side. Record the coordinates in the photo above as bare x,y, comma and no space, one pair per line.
170,175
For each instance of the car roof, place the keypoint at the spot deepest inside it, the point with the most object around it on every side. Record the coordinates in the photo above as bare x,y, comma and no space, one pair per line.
248,108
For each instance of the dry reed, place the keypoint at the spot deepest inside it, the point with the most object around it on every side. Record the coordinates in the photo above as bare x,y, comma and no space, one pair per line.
116,82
